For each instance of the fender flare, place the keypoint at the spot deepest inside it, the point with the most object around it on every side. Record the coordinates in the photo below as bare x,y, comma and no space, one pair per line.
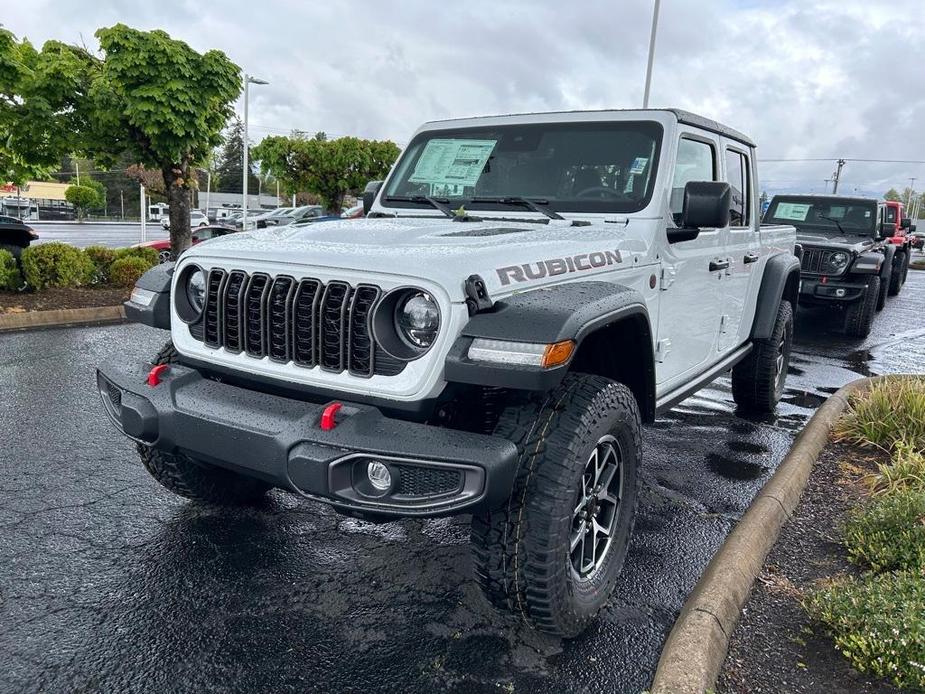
155,314
889,255
781,274
569,311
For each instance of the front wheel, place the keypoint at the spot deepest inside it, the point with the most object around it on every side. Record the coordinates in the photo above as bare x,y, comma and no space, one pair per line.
859,316
164,256
896,277
552,553
758,380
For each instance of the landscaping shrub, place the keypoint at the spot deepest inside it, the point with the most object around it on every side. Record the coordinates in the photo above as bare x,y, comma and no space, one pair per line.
102,258
10,277
124,272
878,623
891,412
905,471
889,533
148,254
56,265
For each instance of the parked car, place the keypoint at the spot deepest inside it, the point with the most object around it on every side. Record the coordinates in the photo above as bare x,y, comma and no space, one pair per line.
460,352
847,263
303,213
204,233
354,212
15,235
897,228
197,218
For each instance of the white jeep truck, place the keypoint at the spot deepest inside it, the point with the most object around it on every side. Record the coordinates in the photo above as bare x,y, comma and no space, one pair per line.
524,293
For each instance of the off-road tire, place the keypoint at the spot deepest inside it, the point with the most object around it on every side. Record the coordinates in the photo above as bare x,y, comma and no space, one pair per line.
193,479
906,261
885,284
896,274
13,249
859,315
758,380
523,561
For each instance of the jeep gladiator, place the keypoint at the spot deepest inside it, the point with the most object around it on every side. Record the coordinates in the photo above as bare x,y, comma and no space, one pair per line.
524,293
846,261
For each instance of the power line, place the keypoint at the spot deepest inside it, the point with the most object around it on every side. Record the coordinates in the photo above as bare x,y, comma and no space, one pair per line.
830,159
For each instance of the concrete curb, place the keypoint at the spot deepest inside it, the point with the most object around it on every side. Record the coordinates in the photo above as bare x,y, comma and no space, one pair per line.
60,317
696,647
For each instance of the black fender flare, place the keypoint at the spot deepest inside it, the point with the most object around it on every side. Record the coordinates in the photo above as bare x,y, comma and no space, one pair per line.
781,274
546,315
889,254
155,314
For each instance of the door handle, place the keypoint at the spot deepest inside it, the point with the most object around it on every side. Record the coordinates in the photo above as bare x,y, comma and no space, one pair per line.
750,257
719,265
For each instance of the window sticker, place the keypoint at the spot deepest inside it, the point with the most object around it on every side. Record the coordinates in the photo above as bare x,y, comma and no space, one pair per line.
794,211
639,165
454,162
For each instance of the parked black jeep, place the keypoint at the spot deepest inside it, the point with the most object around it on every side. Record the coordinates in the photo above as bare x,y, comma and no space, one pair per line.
846,261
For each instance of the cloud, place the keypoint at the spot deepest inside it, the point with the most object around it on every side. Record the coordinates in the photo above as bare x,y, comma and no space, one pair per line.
826,78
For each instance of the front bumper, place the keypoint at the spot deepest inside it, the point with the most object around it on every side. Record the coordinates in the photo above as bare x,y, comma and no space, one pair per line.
434,471
813,289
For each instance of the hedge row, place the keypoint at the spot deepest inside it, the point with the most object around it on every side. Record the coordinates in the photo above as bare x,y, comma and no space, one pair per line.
62,265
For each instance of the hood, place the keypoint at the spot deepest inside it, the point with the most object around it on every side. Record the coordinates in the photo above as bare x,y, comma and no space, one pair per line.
440,250
856,244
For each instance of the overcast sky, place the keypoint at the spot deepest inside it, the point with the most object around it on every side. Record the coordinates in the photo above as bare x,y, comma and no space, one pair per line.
804,78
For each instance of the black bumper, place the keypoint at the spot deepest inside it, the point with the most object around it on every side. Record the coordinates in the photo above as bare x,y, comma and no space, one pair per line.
434,471
814,290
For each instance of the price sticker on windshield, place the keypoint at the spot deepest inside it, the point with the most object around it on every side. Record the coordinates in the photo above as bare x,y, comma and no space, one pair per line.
452,162
794,211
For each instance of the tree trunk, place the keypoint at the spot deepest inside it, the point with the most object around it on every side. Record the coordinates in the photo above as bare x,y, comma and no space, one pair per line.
178,184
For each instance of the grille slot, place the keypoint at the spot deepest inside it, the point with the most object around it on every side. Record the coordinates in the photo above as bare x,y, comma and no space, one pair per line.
332,326
305,322
814,260
279,305
418,481
213,309
255,303
360,350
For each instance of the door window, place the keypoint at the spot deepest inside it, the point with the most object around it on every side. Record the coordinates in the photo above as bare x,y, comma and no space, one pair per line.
696,162
737,176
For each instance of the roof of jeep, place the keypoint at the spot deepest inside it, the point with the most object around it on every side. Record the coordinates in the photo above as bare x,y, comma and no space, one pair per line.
824,196
685,117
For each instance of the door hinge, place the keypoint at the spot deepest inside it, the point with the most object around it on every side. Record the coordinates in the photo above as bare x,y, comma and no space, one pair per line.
668,276
662,348
723,323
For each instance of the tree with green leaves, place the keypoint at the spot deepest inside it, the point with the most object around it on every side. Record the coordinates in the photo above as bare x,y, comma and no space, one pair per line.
328,168
230,160
893,195
86,195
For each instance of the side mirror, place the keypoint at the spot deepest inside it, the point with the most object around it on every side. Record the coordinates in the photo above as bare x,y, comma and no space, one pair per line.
906,223
912,228
705,206
369,195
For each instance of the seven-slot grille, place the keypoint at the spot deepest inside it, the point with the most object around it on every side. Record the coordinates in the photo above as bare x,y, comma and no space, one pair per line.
814,259
301,321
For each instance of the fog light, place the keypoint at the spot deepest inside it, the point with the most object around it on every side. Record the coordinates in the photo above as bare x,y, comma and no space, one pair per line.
379,475
839,292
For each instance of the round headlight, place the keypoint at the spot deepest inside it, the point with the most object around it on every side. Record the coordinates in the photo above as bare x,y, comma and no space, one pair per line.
196,289
419,319
837,261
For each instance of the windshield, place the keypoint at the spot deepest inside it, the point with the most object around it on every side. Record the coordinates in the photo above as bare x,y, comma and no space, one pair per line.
848,216
572,167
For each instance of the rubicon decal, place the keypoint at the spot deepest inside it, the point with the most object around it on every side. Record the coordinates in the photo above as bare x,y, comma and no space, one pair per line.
557,266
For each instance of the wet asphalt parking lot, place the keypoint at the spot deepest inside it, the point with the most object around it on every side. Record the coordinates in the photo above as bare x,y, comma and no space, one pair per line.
92,234
108,583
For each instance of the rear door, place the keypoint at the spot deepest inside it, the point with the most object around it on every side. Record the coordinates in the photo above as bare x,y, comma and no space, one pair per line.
688,313
740,282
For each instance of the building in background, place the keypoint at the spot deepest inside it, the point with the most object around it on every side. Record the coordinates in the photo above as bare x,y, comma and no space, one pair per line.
36,200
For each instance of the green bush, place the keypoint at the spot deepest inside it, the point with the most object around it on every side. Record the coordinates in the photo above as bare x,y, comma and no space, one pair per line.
10,277
905,471
56,265
889,533
124,272
891,412
102,258
878,623
144,252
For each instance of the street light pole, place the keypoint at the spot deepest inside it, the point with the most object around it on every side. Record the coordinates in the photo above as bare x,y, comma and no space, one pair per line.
645,97
837,177
248,80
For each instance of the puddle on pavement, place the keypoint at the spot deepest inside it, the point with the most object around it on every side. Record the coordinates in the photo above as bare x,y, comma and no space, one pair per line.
746,447
803,398
733,468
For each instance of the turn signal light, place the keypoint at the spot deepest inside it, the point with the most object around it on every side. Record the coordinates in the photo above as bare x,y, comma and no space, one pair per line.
557,353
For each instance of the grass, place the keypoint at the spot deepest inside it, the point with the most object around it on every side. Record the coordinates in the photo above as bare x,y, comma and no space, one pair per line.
889,414
906,470
888,534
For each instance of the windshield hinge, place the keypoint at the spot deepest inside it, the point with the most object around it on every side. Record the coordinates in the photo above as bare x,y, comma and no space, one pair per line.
477,299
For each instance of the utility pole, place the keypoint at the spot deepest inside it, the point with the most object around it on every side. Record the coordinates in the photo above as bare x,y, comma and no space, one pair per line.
827,184
645,96
248,80
144,217
911,192
837,176
122,204
208,188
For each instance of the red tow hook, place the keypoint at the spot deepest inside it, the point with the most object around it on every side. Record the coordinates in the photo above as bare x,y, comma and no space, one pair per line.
328,422
154,375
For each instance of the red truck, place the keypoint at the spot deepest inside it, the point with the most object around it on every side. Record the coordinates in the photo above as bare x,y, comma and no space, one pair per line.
896,228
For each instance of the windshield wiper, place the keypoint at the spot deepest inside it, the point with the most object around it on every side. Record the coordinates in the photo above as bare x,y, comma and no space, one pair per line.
835,221
438,203
534,205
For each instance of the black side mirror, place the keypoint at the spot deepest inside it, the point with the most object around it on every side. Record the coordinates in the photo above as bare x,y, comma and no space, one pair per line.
369,195
906,223
912,228
706,206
